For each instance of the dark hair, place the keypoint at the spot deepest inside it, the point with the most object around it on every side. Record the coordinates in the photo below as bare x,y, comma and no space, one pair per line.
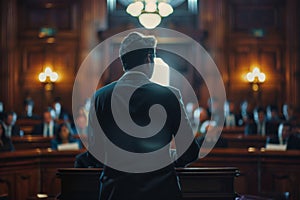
136,57
58,137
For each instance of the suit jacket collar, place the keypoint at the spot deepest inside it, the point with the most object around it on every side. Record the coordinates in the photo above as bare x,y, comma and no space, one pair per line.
134,76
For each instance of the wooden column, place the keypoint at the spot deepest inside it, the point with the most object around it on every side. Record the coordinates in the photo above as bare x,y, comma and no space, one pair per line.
9,61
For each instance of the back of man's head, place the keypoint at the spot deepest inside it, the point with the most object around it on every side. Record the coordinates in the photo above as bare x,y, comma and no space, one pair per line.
134,49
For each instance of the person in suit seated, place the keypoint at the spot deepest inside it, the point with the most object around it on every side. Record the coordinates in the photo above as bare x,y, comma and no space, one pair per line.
48,128
87,160
5,142
288,114
259,125
231,118
293,141
284,131
81,124
211,137
9,124
245,113
28,110
59,111
63,136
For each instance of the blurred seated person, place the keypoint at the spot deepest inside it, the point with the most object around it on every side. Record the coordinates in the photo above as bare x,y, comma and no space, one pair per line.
1,111
59,112
5,142
47,128
286,136
9,124
211,136
258,125
284,130
81,124
288,114
272,113
231,118
87,160
64,136
293,141
28,110
200,116
244,114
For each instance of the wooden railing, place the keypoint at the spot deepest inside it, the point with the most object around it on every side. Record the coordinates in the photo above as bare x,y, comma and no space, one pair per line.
196,183
25,173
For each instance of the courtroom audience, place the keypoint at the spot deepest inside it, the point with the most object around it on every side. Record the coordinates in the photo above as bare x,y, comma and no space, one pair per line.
284,130
64,136
215,110
258,125
288,114
28,112
246,113
80,124
60,112
5,142
9,124
230,115
87,160
200,116
48,127
212,136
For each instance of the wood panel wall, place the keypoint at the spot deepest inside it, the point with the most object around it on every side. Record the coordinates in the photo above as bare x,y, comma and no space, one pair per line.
231,41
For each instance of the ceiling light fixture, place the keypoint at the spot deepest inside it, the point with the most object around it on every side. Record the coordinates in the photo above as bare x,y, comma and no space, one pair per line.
149,12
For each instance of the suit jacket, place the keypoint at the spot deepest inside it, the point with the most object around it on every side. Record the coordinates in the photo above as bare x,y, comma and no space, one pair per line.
15,130
39,129
293,142
161,184
270,129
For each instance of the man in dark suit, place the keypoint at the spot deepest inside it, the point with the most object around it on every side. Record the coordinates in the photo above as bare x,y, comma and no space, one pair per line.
48,128
258,125
127,178
9,124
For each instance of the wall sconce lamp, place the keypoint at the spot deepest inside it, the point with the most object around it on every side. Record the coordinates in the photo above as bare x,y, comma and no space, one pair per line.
149,12
48,77
255,78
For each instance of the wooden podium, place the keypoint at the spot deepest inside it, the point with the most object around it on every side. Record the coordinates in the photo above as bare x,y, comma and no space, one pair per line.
197,183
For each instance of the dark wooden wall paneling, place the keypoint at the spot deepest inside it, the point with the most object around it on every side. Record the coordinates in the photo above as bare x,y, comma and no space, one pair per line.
230,41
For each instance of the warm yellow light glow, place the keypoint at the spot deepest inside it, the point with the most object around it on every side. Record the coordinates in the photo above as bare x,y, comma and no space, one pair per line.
261,77
48,73
42,77
53,77
256,76
250,77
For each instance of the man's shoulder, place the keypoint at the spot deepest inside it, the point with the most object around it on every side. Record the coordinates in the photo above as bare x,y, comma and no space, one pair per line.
104,89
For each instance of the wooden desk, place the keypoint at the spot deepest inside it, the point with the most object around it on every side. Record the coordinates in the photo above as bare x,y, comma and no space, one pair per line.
233,130
25,173
197,183
31,142
244,141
